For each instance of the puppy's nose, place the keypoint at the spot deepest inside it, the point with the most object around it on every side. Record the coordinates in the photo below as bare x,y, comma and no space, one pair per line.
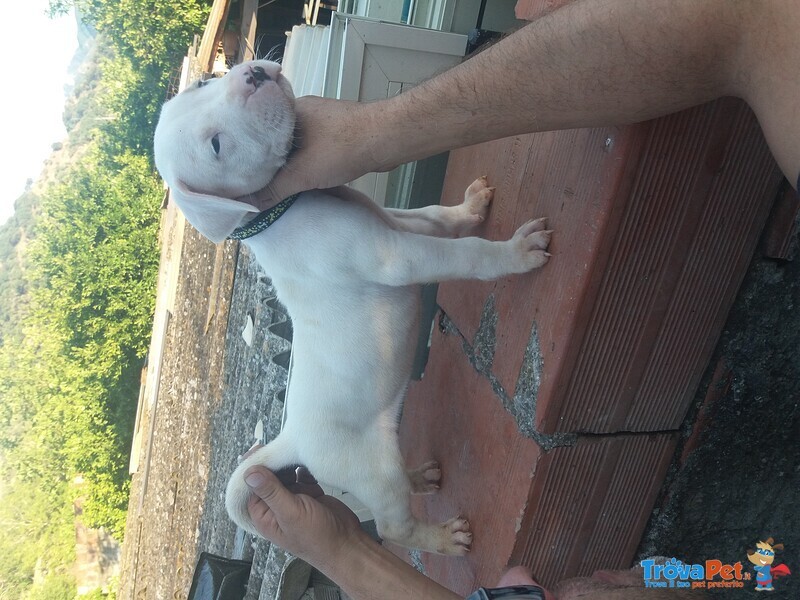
259,74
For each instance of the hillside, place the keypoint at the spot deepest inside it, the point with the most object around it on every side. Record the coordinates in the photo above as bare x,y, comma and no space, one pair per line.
78,262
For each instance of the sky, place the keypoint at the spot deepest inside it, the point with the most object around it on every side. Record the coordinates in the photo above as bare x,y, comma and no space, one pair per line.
33,92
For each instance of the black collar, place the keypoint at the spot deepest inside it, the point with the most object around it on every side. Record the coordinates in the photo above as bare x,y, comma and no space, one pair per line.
263,220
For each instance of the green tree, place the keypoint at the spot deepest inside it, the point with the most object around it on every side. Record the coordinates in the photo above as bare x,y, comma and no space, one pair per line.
149,38
93,266
77,284
58,586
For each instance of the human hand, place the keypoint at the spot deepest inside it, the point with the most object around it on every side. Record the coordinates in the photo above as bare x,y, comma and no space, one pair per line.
299,517
333,147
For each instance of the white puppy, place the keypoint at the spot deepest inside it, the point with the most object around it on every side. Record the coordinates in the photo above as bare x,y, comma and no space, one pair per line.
348,273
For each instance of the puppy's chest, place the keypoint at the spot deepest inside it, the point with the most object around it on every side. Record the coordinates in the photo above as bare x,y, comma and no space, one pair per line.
317,299
293,293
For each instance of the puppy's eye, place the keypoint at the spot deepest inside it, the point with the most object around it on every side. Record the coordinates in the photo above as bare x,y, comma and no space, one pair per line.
215,144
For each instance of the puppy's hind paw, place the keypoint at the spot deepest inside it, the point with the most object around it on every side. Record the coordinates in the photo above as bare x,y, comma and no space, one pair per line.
458,537
425,479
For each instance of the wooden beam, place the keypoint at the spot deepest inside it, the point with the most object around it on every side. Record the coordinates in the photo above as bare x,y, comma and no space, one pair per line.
247,34
212,34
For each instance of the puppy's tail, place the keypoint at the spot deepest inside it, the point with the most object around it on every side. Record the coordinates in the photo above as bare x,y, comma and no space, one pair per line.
278,454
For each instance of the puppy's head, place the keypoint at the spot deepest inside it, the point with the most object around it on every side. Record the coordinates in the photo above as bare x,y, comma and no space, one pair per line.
224,138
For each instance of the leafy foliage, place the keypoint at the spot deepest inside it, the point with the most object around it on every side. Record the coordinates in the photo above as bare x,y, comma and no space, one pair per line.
149,38
78,266
59,586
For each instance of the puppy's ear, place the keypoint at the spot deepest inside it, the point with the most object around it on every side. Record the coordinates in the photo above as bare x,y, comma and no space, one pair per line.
213,216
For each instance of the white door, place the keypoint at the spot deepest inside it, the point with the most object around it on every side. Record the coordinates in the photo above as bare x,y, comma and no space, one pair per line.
369,60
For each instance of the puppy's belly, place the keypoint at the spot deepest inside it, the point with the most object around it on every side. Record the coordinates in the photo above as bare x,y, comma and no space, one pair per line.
356,377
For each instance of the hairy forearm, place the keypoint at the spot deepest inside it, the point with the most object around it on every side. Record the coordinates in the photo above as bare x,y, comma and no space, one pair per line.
592,63
367,571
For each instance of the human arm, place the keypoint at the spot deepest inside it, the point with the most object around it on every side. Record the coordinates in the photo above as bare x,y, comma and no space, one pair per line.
590,63
326,534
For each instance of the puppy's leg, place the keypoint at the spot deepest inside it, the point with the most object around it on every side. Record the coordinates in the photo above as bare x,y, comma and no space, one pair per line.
396,524
447,221
384,487
398,258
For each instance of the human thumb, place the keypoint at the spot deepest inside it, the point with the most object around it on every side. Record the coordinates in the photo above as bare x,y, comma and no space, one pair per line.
266,485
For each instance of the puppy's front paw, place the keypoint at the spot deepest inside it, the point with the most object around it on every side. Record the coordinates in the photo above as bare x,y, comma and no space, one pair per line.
475,208
528,246
477,198
457,537
425,478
